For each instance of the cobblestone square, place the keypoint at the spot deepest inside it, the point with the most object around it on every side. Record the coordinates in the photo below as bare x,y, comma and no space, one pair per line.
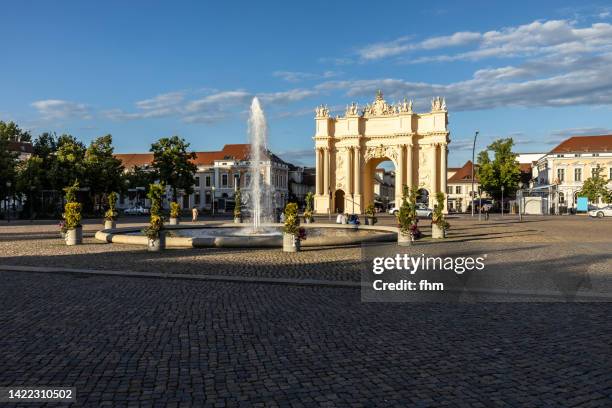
134,341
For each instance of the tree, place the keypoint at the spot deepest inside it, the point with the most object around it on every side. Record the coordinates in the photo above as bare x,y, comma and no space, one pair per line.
30,182
503,170
102,170
13,133
68,165
173,164
8,160
595,187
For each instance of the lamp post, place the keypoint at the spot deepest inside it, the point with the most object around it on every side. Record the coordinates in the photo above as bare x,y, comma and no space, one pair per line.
502,201
473,159
213,201
8,194
520,186
479,204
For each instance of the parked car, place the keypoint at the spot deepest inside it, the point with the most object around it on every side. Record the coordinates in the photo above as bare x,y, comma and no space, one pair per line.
421,211
138,210
601,212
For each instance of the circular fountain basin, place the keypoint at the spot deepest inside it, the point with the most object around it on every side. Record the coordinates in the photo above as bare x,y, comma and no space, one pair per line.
240,236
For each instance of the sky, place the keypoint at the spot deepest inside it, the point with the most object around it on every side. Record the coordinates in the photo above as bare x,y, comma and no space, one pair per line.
140,70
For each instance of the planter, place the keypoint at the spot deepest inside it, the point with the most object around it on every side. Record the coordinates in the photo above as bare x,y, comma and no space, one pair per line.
157,245
74,236
109,224
437,232
174,221
404,240
290,243
366,221
237,220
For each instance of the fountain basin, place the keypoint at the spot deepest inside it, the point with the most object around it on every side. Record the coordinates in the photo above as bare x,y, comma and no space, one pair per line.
236,235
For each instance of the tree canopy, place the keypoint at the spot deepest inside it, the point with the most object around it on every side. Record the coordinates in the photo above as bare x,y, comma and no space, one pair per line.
503,170
173,164
596,187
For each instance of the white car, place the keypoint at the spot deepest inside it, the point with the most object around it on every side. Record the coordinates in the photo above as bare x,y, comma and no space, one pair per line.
601,212
138,210
421,211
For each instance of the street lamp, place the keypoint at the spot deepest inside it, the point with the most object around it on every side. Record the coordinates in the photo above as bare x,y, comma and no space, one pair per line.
520,186
6,208
213,200
473,159
502,201
479,204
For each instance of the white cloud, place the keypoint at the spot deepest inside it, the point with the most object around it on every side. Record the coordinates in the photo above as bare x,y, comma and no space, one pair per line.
60,109
296,76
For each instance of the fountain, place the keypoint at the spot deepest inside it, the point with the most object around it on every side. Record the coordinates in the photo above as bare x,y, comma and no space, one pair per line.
260,191
262,232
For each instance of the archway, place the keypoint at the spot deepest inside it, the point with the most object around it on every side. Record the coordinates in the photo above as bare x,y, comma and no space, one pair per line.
379,183
339,201
422,196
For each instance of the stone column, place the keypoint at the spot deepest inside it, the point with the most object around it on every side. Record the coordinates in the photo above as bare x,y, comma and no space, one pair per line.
357,179
434,175
399,175
318,171
409,172
443,174
326,172
347,171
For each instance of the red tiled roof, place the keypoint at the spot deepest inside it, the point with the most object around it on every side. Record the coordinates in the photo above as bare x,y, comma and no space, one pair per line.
601,143
525,168
464,174
21,147
229,152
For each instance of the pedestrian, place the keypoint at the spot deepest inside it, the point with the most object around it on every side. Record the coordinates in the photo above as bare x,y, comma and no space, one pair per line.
282,217
486,211
194,214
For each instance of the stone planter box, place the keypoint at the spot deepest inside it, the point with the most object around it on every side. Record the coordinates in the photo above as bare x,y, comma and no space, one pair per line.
404,240
437,232
110,224
157,245
366,220
174,221
290,243
74,236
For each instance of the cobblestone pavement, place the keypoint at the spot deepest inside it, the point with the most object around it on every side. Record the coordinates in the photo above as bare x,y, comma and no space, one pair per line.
156,342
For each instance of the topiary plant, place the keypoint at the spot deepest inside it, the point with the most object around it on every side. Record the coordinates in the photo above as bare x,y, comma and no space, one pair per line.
371,212
175,210
406,216
292,221
156,223
308,211
111,213
438,215
72,209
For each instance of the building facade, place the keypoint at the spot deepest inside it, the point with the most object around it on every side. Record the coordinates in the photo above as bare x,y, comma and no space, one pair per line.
560,173
219,174
348,150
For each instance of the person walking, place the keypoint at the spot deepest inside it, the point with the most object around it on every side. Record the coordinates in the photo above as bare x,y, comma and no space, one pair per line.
194,214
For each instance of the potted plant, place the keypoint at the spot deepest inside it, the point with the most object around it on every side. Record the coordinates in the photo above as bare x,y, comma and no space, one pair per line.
155,231
407,219
175,213
292,233
72,216
439,225
110,216
370,218
238,207
308,211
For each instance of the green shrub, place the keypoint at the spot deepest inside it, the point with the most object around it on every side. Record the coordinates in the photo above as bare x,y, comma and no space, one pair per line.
371,212
438,216
406,216
72,209
292,221
175,210
111,214
309,210
156,223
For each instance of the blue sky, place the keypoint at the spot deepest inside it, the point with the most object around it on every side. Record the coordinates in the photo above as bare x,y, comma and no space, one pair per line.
536,71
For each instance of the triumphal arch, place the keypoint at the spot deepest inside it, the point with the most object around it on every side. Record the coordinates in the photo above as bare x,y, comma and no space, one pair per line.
348,150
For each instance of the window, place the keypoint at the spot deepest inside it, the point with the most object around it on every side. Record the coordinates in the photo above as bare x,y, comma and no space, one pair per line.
595,154
577,174
449,190
197,199
561,198
457,189
577,155
561,175
207,181
560,155
594,171
224,180
610,176
197,182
